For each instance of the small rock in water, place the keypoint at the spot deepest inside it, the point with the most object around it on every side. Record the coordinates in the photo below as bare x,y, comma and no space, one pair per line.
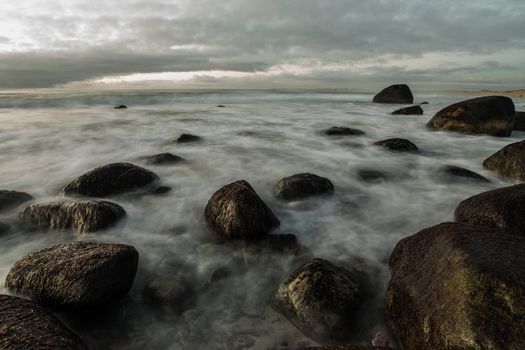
343,131
413,110
12,199
400,93
453,172
161,190
188,138
372,176
398,145
508,162
170,291
121,107
303,185
424,103
221,106
163,159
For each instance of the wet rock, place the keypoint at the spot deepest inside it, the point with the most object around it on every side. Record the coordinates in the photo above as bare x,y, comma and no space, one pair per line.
75,276
412,110
26,325
457,286
424,103
221,106
372,176
11,199
384,338
187,138
4,228
508,162
219,274
395,94
343,131
161,190
397,145
320,299
170,291
121,107
452,172
519,121
501,209
82,216
303,185
490,115
111,179
164,159
235,211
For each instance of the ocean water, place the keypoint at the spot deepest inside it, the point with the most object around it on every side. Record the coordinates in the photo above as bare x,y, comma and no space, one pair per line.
47,139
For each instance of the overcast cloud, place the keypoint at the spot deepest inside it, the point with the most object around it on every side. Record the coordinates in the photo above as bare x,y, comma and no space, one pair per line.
295,43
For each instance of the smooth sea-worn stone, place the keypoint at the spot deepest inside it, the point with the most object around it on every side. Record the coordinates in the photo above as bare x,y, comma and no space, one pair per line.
75,276
187,138
519,121
458,286
320,299
26,325
236,211
164,159
490,115
11,199
453,172
81,216
399,93
303,185
343,131
398,145
412,110
501,209
111,179
508,162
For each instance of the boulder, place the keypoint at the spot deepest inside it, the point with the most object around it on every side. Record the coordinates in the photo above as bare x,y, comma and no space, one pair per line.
343,131
519,121
75,276
452,172
412,110
320,299
235,211
457,286
11,199
163,159
303,185
82,216
509,161
187,138
170,291
26,325
502,209
111,179
490,115
121,107
397,145
395,94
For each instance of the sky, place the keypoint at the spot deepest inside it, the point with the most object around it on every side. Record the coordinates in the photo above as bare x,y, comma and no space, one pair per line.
355,44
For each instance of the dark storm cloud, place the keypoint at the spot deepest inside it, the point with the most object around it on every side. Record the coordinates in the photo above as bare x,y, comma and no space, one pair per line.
61,41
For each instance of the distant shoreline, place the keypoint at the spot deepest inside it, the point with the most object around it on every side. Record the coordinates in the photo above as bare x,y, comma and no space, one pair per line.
520,93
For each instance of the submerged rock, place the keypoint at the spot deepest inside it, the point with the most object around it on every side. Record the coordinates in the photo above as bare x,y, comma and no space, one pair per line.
491,115
187,138
397,145
502,209
519,121
400,93
303,185
170,291
452,172
508,162
372,176
343,131
457,286
75,276
164,159
11,199
320,299
111,179
235,211
82,216
26,325
412,110
121,107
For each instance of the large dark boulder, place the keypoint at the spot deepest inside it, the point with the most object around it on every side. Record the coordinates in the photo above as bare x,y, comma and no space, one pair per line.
321,300
398,145
303,185
343,131
11,199
163,159
490,115
509,161
395,94
75,276
501,209
235,211
412,110
519,121
453,173
457,286
26,325
111,179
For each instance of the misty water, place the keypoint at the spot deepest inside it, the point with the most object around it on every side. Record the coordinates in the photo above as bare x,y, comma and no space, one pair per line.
48,139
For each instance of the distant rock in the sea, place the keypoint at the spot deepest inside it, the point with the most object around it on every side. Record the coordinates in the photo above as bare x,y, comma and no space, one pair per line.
519,121
75,276
221,106
26,325
412,110
424,103
490,115
400,93
458,286
188,138
508,162
321,300
163,159
236,211
303,185
343,131
111,179
82,216
12,199
453,172
397,145
121,107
